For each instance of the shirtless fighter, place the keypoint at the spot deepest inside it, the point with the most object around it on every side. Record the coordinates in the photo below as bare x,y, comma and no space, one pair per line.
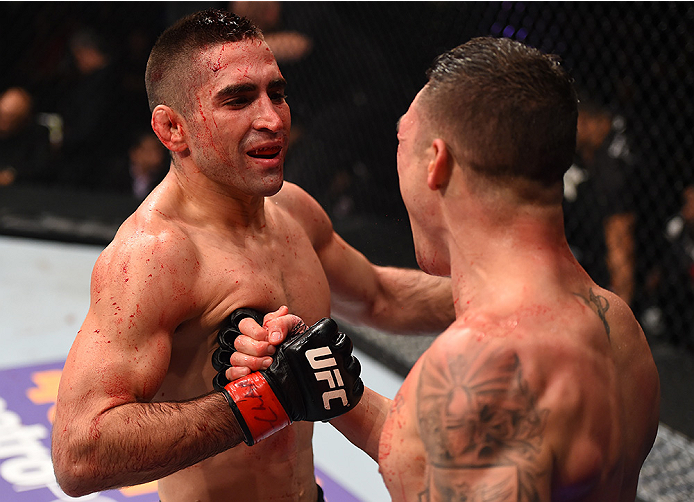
221,232
544,388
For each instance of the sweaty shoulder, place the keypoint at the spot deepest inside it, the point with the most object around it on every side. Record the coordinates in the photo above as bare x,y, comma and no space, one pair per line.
304,209
149,253
479,417
151,233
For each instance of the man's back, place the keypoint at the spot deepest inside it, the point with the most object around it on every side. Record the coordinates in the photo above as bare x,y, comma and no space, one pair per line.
554,400
544,387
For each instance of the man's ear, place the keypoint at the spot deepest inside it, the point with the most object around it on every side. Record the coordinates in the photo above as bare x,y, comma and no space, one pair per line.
167,125
440,167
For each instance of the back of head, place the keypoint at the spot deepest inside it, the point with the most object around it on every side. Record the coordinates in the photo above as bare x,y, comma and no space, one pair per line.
508,110
171,59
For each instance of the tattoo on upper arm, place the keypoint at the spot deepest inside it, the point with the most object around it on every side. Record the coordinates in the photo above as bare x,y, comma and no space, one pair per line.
600,306
481,427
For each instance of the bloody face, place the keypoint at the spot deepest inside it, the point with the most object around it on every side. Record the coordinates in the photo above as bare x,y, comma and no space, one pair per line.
239,122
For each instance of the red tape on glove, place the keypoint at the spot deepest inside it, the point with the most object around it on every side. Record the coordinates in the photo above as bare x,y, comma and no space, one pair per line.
259,406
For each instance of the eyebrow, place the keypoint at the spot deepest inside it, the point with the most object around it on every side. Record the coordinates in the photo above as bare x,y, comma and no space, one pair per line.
278,82
235,89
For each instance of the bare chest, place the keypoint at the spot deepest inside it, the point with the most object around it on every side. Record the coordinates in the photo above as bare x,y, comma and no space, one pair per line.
266,276
263,274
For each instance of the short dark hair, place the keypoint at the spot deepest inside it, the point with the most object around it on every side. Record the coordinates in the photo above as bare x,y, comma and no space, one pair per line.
511,110
170,59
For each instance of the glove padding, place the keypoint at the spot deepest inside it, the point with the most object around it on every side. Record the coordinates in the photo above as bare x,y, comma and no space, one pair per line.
225,338
313,377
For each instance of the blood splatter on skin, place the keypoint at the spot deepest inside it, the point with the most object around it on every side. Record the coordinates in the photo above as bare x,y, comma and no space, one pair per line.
215,67
210,143
94,430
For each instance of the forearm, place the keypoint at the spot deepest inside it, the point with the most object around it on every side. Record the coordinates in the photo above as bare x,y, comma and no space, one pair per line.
622,276
619,239
363,425
140,442
404,301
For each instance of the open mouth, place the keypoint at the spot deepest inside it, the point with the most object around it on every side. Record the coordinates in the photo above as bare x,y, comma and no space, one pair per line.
269,152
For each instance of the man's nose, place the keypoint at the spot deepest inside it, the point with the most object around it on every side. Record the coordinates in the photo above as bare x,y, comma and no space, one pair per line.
269,116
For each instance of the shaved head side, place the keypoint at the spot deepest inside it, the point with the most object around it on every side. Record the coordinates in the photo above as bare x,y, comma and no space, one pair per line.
170,67
509,111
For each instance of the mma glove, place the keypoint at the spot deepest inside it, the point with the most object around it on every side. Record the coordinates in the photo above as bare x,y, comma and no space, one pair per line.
226,337
313,377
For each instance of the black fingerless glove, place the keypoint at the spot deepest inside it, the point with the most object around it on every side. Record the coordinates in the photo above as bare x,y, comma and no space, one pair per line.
314,377
225,338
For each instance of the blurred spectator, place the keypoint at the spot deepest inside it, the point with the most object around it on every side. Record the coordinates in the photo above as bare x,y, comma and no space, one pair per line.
288,45
599,203
138,41
90,106
148,164
25,150
145,166
344,108
671,282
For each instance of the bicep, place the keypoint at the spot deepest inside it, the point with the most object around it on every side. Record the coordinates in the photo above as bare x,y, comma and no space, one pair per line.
391,299
353,279
122,351
114,368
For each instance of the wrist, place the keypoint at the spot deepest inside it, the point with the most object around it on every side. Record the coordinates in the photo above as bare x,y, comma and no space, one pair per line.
256,407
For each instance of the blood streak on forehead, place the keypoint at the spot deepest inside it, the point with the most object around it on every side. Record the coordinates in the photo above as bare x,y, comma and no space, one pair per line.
219,57
216,66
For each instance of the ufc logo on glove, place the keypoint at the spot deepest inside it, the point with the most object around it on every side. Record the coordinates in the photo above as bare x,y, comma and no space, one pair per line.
313,356
293,387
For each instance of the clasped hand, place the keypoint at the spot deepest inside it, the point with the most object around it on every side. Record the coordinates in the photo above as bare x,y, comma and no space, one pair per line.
256,344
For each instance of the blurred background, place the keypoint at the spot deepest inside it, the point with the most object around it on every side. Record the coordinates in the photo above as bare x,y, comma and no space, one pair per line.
77,154
74,122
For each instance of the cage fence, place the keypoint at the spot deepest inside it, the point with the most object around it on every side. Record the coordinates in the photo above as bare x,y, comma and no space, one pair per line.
357,65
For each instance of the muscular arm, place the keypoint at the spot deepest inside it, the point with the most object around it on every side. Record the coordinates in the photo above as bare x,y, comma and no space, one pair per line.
396,300
107,432
619,239
386,298
364,424
482,430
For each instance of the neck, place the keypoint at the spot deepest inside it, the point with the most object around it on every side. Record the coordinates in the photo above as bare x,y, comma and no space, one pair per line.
499,261
202,201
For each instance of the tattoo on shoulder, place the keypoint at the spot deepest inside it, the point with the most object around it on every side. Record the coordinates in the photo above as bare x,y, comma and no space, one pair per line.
481,427
599,305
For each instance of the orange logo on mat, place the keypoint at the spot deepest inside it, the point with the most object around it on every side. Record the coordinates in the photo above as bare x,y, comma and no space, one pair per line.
46,392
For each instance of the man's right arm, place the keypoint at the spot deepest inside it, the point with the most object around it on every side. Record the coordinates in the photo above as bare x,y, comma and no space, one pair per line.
107,432
619,240
392,299
484,434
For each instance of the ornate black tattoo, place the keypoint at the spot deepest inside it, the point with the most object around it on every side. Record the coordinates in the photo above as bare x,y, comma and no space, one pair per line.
477,415
600,306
